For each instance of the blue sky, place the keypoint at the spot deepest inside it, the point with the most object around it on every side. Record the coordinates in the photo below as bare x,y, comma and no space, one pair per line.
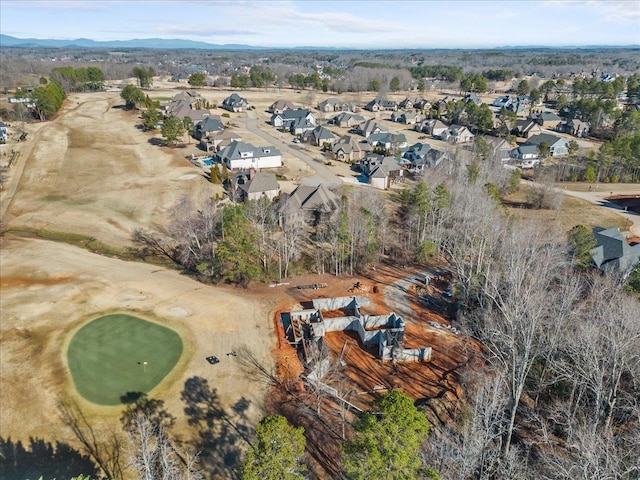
351,24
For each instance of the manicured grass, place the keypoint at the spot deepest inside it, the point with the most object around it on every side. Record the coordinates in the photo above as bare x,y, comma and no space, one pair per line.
107,357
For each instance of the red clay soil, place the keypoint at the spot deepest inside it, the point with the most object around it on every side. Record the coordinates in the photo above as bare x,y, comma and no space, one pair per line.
370,377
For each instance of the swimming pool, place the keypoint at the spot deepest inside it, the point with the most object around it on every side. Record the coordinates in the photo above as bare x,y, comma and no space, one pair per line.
207,161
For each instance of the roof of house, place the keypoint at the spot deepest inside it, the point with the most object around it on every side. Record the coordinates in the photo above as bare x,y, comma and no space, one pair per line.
345,116
234,99
418,149
369,126
182,109
575,122
549,139
349,144
235,149
435,124
383,102
527,149
261,182
545,116
210,124
387,137
187,95
472,97
321,133
282,105
613,252
314,198
293,114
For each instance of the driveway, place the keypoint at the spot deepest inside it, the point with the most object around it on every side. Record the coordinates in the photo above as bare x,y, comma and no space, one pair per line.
322,175
600,198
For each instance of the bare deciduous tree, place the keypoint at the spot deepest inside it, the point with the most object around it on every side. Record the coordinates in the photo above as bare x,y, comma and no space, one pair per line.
104,447
154,456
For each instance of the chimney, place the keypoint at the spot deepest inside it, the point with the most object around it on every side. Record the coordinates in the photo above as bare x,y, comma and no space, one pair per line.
252,173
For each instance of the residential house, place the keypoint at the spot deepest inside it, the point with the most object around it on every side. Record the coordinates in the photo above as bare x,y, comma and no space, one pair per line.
346,149
613,253
557,146
433,127
472,97
347,120
526,155
4,132
216,141
239,155
280,106
319,136
182,109
368,127
300,117
408,103
546,119
432,159
334,104
457,134
503,102
301,125
381,172
574,127
381,105
408,118
313,202
389,141
423,105
194,99
519,108
441,106
525,128
235,103
209,126
253,185
499,148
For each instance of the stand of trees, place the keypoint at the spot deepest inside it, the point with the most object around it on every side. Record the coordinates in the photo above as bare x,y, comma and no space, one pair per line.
144,76
48,100
78,79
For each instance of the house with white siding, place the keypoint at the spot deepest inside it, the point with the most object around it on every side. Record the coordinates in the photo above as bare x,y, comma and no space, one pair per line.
239,155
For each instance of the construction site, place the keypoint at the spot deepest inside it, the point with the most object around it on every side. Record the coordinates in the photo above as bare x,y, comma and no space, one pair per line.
391,332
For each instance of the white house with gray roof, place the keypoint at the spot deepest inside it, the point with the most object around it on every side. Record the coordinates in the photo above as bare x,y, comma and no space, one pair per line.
238,155
557,146
294,119
235,103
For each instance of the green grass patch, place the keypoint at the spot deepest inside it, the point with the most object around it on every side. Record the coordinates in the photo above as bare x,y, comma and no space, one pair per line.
107,357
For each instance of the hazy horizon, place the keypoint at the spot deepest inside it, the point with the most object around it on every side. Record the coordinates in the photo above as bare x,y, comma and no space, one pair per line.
330,24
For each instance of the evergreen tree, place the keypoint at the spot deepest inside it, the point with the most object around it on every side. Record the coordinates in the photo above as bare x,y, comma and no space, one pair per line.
385,445
277,453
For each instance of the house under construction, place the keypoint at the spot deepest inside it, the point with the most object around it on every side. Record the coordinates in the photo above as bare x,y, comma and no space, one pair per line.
306,328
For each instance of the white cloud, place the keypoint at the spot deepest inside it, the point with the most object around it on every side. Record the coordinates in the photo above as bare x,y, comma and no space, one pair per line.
57,5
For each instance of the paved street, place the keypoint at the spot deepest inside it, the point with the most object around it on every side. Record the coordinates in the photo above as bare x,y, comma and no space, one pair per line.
322,175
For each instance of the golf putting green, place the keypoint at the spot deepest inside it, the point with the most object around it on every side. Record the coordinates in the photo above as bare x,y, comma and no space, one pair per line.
117,354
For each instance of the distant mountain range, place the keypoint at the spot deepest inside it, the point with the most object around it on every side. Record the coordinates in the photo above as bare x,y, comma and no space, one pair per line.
161,43
177,44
